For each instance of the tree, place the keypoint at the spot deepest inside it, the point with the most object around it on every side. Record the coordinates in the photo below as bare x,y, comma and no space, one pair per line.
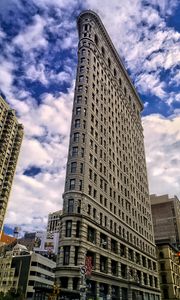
12,295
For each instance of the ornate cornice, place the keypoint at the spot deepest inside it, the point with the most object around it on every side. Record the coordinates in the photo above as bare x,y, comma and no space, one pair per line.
98,21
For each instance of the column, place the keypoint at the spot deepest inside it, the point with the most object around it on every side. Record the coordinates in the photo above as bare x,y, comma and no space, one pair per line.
109,295
71,262
97,264
108,265
97,289
119,269
70,283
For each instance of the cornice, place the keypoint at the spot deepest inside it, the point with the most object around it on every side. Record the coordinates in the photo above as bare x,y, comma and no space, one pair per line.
98,21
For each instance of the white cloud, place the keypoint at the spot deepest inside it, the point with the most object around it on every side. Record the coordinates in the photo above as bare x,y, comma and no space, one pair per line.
152,84
37,73
147,45
42,193
32,37
162,142
6,75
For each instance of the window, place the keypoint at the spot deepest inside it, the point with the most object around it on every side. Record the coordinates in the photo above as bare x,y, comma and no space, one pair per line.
77,123
81,78
70,205
80,185
73,167
166,293
78,111
82,152
123,250
96,39
80,88
79,207
109,62
103,264
94,213
123,271
74,151
81,168
76,255
68,228
72,183
114,267
103,241
89,209
78,229
82,69
91,235
76,137
103,51
66,255
130,254
113,246
79,99
164,278
161,254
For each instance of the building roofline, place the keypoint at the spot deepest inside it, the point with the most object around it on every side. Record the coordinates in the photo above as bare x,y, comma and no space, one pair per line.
110,43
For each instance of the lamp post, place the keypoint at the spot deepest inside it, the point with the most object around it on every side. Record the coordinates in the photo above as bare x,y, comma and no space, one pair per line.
85,271
55,293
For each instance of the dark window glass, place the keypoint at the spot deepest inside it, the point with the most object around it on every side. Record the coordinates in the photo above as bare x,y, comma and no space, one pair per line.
68,228
103,264
76,137
91,235
66,255
76,255
72,183
73,167
78,228
77,123
70,205
74,151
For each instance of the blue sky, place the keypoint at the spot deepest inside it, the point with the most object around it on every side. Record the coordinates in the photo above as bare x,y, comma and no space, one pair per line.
38,57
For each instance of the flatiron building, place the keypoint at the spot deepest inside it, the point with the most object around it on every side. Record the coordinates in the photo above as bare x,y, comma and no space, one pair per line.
106,209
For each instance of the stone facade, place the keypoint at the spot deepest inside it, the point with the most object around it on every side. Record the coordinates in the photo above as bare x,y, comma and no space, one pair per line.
22,270
53,222
166,214
106,209
11,134
169,270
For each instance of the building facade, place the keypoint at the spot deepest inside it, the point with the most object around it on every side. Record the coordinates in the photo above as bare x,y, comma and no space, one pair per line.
169,270
166,214
11,134
106,227
25,271
54,222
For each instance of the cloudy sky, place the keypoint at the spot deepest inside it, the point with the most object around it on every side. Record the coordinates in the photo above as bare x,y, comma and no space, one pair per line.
38,56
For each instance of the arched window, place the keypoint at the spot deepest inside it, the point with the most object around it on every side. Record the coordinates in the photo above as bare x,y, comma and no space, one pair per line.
96,39
120,81
115,73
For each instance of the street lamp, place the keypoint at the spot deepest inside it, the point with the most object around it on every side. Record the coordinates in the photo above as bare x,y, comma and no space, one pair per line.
85,271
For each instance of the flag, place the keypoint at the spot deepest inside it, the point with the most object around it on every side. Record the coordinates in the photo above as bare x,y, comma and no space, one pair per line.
89,265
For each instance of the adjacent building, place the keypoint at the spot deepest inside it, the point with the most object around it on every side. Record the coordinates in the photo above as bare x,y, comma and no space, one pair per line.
11,134
106,231
166,218
53,222
25,271
169,270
